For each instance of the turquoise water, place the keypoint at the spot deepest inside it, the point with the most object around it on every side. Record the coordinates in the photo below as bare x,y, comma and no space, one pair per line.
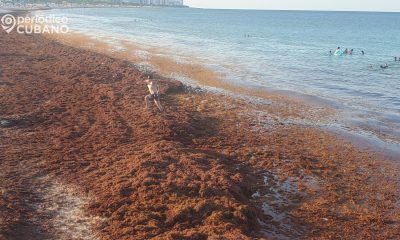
280,50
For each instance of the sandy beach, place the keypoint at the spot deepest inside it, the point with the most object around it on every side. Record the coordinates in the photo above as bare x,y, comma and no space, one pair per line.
81,158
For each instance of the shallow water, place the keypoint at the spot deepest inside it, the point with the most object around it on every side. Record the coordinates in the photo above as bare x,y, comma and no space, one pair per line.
274,50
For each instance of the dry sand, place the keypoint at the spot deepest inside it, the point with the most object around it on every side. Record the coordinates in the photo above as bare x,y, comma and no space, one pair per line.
80,158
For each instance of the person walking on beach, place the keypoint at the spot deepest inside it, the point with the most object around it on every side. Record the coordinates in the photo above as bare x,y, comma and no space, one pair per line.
154,95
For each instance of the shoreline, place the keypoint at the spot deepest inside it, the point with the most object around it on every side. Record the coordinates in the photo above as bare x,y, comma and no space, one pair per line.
353,121
150,174
312,110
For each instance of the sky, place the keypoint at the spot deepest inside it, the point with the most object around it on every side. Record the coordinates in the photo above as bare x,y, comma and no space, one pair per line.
335,5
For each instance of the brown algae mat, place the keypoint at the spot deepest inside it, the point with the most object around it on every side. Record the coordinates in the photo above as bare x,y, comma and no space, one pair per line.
80,158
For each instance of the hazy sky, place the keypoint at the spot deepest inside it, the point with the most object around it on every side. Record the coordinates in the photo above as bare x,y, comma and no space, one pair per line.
345,5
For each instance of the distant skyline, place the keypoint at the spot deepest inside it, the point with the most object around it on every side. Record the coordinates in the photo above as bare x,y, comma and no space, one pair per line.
333,5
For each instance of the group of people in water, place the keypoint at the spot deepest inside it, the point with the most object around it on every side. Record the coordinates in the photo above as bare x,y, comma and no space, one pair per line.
339,52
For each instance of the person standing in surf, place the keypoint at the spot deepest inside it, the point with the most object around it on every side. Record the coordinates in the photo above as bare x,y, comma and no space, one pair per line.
154,95
338,51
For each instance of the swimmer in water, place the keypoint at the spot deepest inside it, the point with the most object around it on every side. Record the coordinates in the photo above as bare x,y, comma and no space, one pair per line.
384,66
337,51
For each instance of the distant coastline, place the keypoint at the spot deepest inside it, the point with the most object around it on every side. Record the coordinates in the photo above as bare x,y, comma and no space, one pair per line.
93,6
65,5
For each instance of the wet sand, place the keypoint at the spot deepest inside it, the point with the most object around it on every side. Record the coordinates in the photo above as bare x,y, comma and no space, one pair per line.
81,158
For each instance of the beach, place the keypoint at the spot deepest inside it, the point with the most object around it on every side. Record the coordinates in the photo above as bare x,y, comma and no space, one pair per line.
81,158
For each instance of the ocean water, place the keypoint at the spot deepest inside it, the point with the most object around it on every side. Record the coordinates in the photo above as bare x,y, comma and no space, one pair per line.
276,50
